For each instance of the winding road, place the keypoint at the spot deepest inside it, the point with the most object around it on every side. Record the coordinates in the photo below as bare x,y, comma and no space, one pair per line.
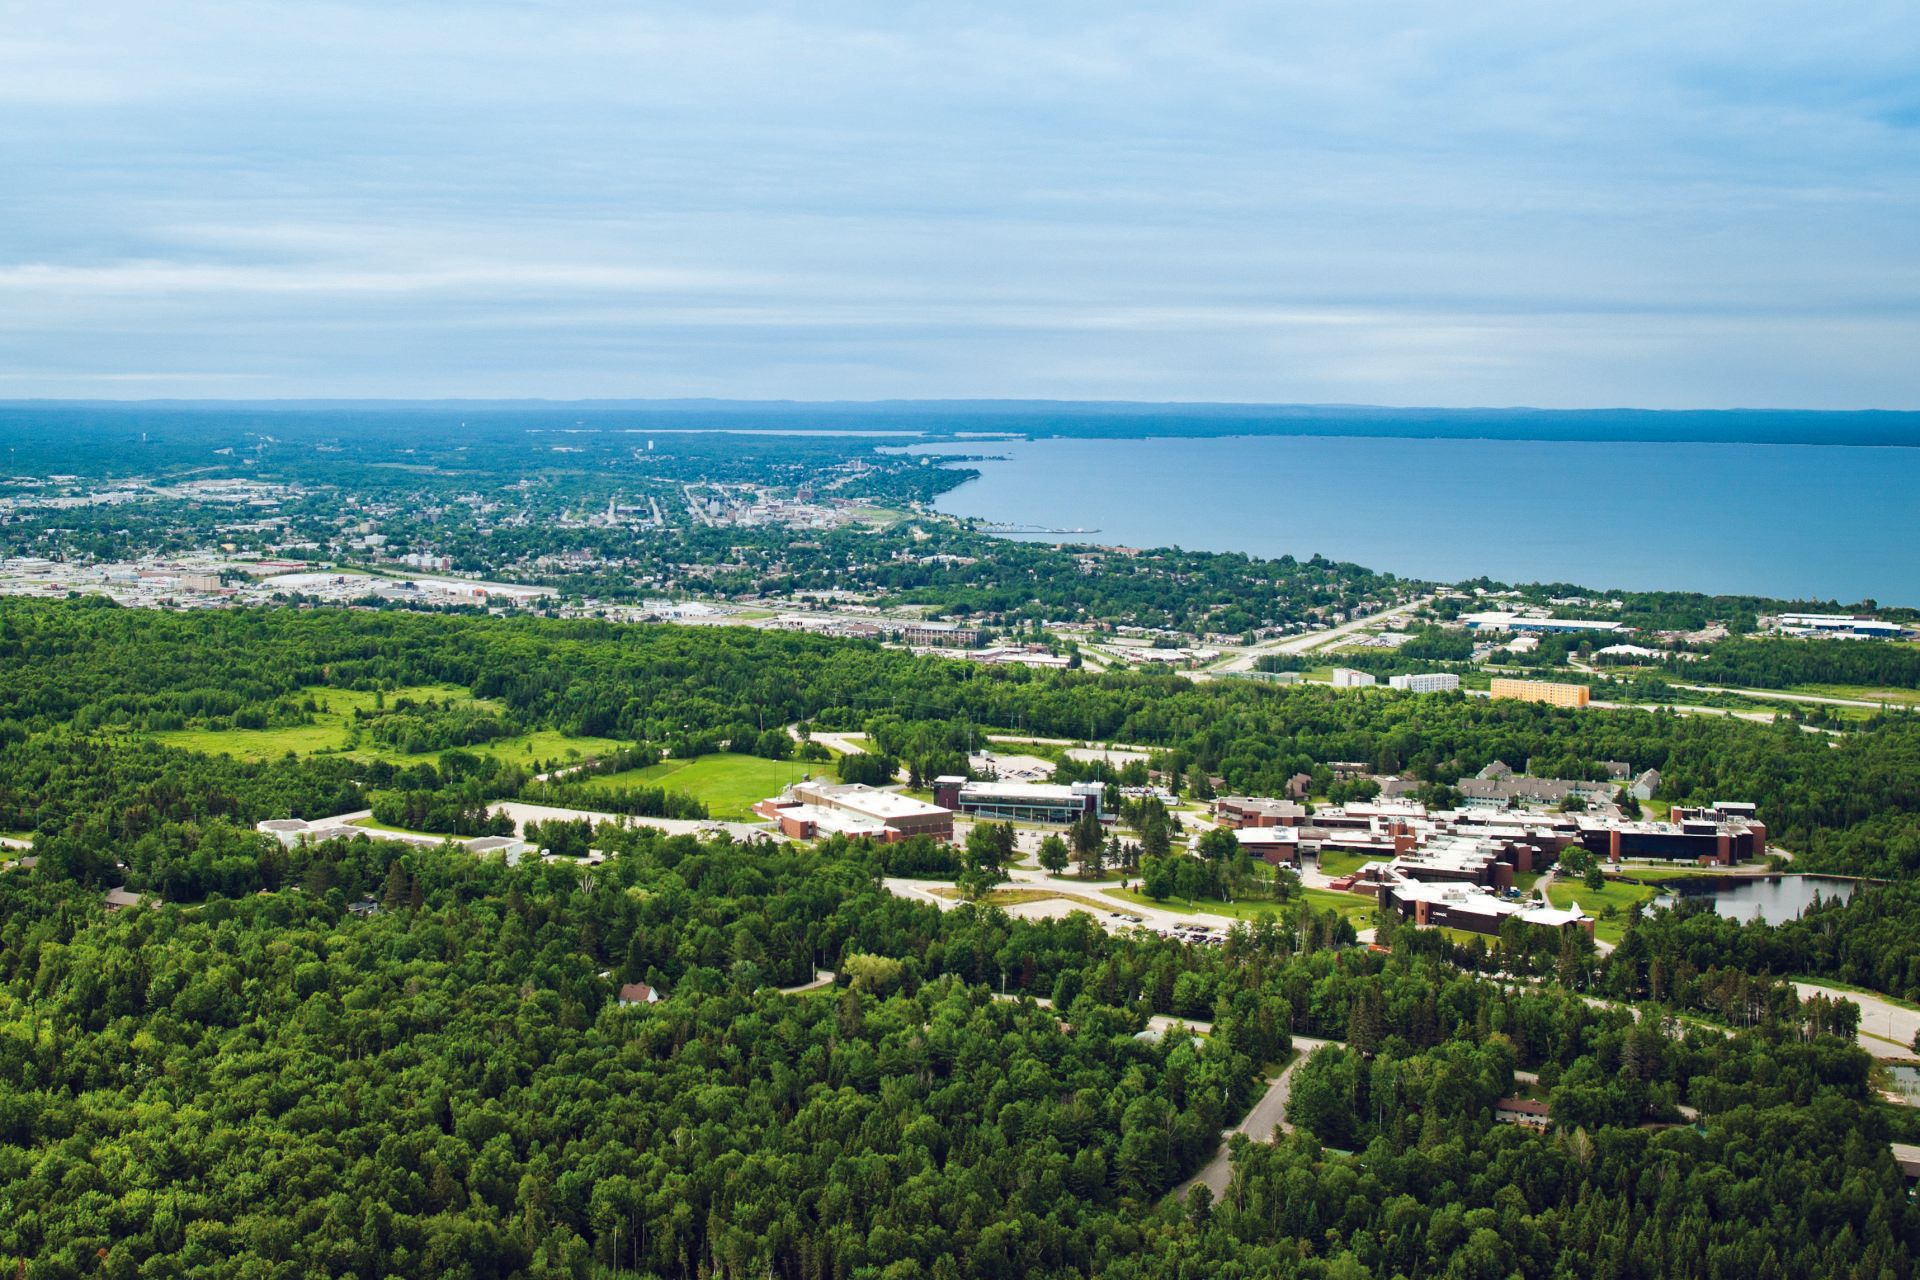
1266,1118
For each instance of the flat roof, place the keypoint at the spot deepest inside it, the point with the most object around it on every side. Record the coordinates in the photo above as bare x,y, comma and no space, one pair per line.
871,801
837,821
1036,790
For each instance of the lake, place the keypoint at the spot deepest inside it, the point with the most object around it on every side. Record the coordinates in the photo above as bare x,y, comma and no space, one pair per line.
1815,522
1771,898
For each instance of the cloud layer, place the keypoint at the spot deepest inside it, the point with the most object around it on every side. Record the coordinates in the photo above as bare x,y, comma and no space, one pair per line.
1508,203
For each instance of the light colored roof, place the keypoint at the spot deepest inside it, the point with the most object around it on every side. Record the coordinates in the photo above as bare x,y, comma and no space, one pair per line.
834,821
1034,790
1554,916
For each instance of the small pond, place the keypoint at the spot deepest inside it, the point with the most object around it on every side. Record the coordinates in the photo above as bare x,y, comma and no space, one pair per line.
1770,898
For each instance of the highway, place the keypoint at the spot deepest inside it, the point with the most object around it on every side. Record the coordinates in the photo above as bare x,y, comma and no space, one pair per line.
1244,659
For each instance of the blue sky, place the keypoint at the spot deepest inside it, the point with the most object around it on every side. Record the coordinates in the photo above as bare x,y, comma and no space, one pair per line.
1704,205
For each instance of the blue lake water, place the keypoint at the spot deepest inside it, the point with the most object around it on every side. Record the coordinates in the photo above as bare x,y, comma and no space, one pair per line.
1809,522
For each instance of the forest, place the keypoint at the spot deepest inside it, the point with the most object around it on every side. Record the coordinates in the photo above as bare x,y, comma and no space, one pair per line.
442,1084
89,677
362,1057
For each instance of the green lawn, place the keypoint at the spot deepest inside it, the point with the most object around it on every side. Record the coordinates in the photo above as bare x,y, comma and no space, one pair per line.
1660,875
729,785
374,824
333,723
1617,894
1335,863
1863,693
1353,906
1252,909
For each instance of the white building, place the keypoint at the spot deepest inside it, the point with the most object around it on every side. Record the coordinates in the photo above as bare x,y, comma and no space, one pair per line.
1844,625
1425,682
1348,678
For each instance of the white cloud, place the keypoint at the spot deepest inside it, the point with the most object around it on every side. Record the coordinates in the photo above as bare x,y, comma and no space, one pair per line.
1319,200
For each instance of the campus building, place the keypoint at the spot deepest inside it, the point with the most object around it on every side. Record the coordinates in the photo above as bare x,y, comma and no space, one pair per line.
1547,691
1020,801
1275,846
1240,812
809,810
1720,834
1461,906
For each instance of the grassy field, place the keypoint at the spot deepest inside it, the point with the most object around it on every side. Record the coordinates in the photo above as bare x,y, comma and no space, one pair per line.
1249,910
1660,875
1335,863
729,785
1863,693
332,727
1351,905
1617,894
1007,897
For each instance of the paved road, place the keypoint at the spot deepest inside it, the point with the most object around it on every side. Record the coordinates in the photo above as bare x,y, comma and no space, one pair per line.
1244,659
821,978
1790,697
523,813
1091,896
1267,1117
1065,742
847,744
1886,1029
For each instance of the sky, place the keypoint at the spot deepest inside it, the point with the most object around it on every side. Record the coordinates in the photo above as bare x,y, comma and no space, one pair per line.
1506,203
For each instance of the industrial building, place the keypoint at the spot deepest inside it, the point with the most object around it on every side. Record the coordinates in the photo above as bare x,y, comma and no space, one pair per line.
1843,626
809,810
1020,801
1547,691
1527,623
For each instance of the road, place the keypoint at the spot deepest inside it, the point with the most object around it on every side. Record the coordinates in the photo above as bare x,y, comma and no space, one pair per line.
1886,1029
821,978
1823,699
847,744
1244,659
1266,1117
523,813
1090,896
